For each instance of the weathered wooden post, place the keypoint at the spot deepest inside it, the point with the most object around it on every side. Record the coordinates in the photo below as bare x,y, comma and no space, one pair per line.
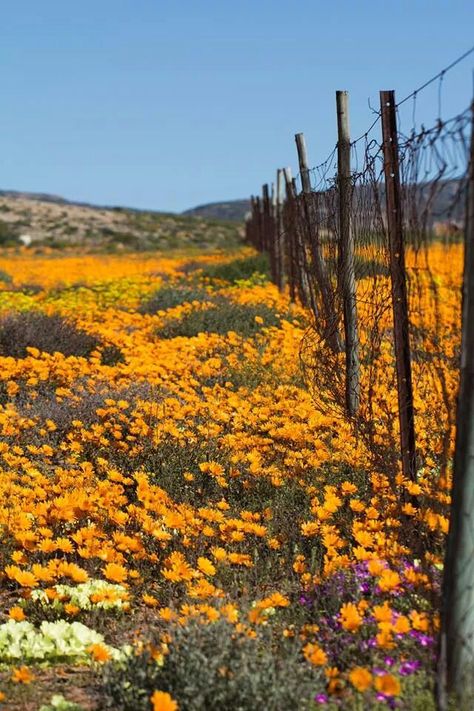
266,217
259,223
456,673
298,261
346,255
269,221
279,231
320,272
287,218
399,287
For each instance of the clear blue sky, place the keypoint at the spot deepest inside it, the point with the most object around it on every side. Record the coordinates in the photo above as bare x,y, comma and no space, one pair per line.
166,104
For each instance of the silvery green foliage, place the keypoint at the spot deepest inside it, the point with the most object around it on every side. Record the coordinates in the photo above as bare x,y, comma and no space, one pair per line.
210,666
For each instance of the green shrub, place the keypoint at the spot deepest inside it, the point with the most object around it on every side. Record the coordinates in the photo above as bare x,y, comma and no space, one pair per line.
111,355
365,268
211,667
49,333
8,233
28,288
170,296
223,317
238,269
5,277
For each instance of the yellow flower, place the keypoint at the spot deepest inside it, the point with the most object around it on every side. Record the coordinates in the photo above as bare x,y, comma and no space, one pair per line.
348,487
383,613
116,573
22,675
384,639
22,577
315,654
16,613
311,528
99,653
162,701
375,567
278,600
206,567
389,580
350,617
387,684
71,609
402,625
360,678
419,621
150,601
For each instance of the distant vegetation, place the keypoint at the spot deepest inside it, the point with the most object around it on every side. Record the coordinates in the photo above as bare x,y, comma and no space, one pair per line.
50,221
234,210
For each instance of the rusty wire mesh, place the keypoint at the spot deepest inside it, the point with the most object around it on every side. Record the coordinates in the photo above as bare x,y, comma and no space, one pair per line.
433,170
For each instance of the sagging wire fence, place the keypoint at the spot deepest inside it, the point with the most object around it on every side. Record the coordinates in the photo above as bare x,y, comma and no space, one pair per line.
372,243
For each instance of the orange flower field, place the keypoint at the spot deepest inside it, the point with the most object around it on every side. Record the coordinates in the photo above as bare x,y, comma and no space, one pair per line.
185,523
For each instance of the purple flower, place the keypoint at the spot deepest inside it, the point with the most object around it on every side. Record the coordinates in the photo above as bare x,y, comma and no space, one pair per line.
389,661
407,668
424,639
321,699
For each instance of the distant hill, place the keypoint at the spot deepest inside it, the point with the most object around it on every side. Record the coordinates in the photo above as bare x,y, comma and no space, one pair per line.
51,220
446,202
234,210
59,200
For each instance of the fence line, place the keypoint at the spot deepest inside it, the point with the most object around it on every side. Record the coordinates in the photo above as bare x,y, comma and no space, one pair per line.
372,246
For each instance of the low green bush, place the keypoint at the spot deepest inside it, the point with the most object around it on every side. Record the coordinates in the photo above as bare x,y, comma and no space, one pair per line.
8,233
173,295
48,333
212,667
223,317
238,269
5,277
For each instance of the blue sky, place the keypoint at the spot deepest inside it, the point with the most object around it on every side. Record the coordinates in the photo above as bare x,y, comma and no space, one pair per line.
166,105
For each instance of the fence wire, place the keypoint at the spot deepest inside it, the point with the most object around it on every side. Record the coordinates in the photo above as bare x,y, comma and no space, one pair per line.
358,246
304,242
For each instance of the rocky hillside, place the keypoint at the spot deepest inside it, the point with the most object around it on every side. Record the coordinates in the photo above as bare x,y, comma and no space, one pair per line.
52,221
234,210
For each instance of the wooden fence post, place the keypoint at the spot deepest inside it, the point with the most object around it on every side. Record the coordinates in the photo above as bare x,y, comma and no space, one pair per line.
269,230
399,287
320,271
298,260
457,619
279,231
287,219
346,255
303,163
259,223
266,215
